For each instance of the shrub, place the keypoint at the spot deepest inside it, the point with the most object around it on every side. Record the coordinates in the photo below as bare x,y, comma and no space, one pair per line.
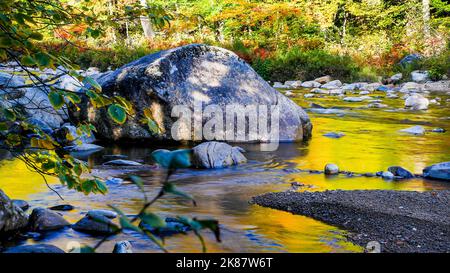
305,65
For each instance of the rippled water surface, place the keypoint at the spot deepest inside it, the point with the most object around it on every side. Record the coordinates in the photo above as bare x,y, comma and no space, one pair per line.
371,143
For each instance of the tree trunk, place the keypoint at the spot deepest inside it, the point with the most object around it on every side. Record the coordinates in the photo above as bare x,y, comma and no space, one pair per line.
426,18
146,24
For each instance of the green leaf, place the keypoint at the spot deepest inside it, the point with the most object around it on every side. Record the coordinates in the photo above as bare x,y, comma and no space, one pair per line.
74,98
153,220
9,114
117,113
152,126
181,158
27,61
5,42
56,99
93,83
101,186
212,225
126,224
170,188
42,59
36,36
138,181
173,159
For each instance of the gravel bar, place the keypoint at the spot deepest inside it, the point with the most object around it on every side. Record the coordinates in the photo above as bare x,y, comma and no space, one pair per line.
401,221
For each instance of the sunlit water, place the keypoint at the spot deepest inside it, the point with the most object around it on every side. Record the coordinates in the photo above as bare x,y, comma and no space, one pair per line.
371,143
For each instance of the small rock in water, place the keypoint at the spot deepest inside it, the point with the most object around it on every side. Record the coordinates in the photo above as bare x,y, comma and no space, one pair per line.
65,207
215,154
417,102
415,130
123,247
289,93
396,77
369,174
331,169
376,105
364,93
38,248
332,84
96,224
310,84
115,157
334,134
438,171
399,171
293,84
438,130
21,204
86,147
122,162
353,99
323,79
306,96
42,219
387,175
103,212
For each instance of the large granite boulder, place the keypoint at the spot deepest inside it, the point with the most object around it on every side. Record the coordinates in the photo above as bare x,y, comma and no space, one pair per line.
187,76
12,218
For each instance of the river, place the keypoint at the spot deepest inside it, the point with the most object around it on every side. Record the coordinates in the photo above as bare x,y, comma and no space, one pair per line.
371,143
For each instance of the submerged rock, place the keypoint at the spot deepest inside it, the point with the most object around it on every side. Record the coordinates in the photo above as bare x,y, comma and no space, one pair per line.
42,219
387,175
64,207
331,169
438,130
353,99
85,148
377,105
12,218
438,171
96,224
122,162
102,212
216,155
189,76
399,171
39,248
415,130
123,247
334,134
21,204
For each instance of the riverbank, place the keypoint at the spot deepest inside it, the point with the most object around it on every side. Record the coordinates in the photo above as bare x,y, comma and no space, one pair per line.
401,221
